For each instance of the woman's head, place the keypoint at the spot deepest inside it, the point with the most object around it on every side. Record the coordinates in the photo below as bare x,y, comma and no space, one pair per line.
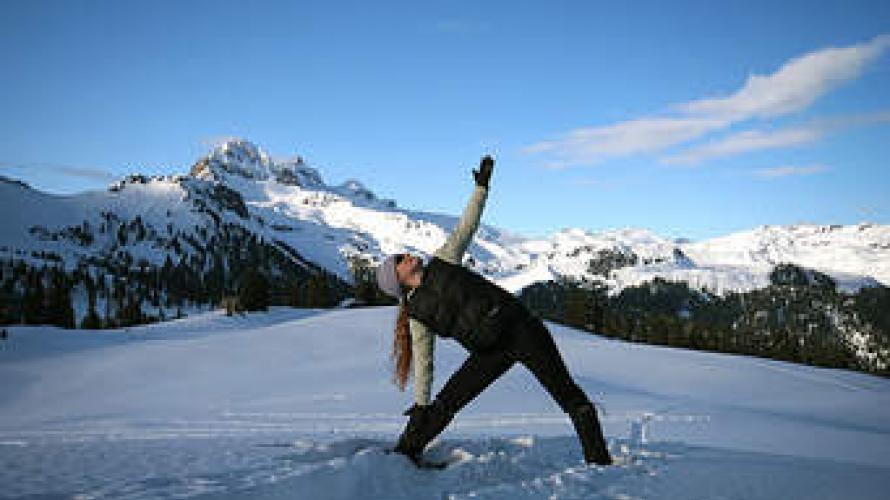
395,276
399,272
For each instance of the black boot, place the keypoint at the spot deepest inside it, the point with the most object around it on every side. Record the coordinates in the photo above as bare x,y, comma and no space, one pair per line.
412,442
587,425
425,424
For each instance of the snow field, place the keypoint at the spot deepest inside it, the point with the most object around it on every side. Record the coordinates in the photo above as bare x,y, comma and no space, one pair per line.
298,404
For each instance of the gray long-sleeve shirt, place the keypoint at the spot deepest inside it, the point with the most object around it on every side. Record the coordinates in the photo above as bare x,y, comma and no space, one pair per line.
452,251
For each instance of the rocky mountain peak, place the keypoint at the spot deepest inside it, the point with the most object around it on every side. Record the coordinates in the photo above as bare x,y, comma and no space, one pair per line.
237,157
243,159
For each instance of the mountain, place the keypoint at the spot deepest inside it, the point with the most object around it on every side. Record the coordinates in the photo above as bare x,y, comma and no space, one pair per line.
238,209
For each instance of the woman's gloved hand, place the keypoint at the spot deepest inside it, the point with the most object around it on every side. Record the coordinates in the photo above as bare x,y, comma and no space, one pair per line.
483,175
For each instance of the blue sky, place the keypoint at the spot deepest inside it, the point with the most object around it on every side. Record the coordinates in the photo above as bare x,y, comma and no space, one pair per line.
687,118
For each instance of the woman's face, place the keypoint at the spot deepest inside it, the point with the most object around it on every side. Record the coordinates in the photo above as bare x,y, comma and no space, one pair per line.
406,266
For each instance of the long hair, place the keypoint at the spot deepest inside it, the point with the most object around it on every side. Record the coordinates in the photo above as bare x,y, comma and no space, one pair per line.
401,346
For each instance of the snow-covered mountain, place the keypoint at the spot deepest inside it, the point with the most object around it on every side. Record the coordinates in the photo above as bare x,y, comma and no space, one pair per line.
288,206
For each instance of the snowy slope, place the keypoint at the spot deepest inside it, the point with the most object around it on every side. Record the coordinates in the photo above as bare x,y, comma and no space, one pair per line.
847,253
289,202
298,404
26,209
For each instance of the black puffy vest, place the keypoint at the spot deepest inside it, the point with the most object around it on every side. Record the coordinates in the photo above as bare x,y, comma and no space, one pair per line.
456,302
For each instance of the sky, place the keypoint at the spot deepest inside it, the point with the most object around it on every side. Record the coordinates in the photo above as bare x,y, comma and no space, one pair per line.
688,118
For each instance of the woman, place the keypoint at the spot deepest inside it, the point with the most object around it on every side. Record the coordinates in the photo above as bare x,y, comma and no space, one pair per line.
496,329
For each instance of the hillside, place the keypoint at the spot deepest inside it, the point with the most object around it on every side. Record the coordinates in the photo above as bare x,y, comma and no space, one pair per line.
298,403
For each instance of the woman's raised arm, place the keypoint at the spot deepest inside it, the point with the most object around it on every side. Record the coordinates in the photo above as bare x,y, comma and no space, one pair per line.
459,239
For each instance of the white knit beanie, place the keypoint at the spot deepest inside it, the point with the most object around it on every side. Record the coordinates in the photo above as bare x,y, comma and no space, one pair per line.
387,279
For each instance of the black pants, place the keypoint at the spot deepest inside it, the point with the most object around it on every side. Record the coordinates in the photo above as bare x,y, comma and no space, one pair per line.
525,340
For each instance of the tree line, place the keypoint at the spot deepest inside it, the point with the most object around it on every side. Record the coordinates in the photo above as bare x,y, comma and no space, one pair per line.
117,289
800,317
118,296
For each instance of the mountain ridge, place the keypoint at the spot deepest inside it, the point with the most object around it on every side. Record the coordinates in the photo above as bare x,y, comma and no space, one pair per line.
288,200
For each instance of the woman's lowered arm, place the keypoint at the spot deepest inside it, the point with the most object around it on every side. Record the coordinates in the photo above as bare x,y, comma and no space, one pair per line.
422,346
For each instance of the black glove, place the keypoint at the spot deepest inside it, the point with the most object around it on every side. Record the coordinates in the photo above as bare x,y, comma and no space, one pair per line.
483,175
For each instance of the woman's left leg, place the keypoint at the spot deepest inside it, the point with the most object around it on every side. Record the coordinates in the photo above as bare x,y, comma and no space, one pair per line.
534,347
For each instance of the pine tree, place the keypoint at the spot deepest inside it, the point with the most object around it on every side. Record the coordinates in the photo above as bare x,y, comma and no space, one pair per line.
318,291
130,313
364,289
297,294
58,301
254,291
33,302
91,321
575,312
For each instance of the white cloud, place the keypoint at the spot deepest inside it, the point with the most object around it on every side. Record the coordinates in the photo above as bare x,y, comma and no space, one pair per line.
94,174
749,140
754,140
792,88
849,121
89,173
645,135
789,170
795,86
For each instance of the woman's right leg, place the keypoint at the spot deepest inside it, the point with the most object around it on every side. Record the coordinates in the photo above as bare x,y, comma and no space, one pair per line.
477,372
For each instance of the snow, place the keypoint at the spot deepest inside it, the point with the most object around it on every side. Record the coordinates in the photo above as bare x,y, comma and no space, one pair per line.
298,404
151,202
840,251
